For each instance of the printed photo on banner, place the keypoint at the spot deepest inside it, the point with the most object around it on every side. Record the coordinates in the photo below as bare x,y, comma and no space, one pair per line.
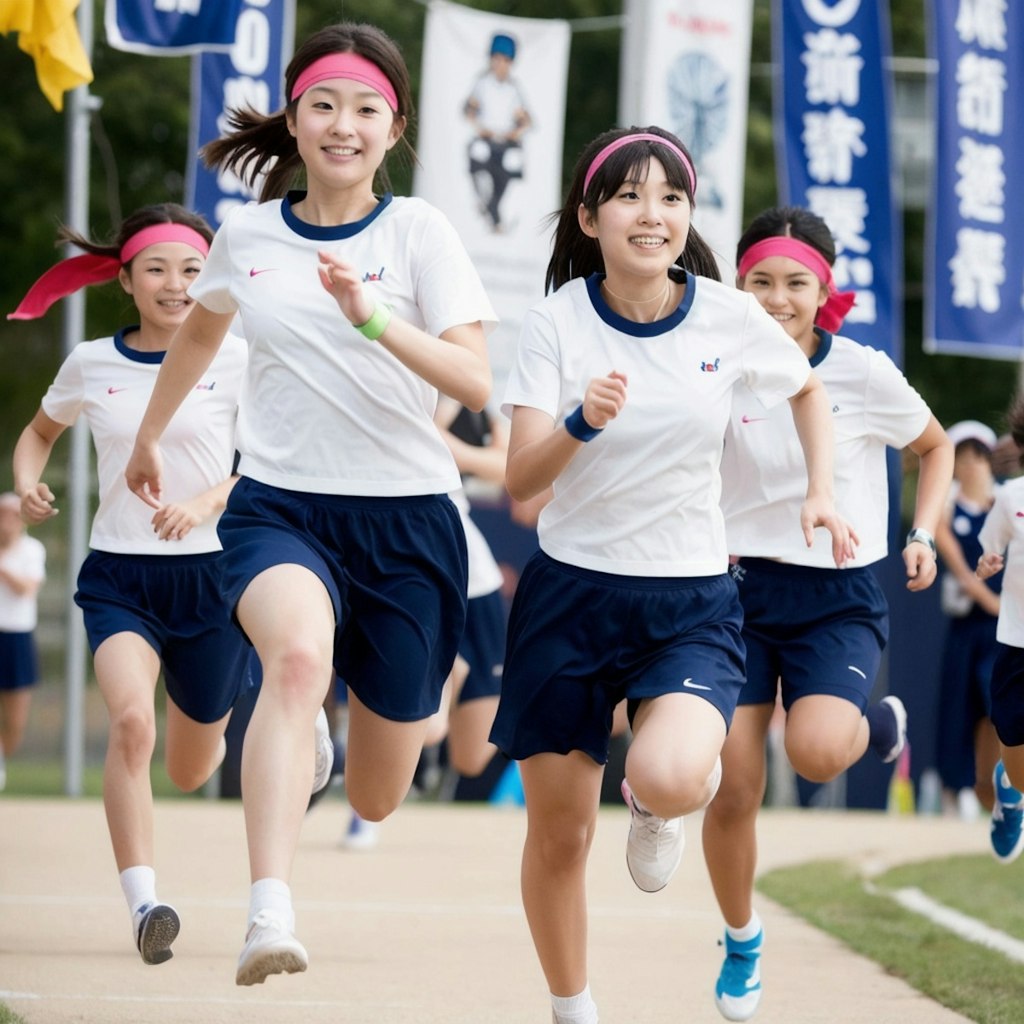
490,141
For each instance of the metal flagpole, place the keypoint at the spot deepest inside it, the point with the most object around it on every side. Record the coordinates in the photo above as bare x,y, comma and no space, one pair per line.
81,104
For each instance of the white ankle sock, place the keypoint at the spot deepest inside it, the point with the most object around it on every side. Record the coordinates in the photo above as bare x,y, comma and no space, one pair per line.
747,932
272,894
139,886
578,1009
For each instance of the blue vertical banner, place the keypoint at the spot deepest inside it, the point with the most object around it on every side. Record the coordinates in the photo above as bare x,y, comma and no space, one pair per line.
974,281
833,104
169,27
249,75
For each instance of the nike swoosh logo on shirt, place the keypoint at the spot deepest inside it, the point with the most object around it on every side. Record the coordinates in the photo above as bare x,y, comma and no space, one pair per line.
266,270
752,419
114,391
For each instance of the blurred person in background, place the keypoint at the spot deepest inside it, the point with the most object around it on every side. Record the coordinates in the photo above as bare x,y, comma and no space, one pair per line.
22,571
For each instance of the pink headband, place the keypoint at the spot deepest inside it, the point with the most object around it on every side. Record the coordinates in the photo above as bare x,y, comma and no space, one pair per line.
625,140
70,275
838,304
346,65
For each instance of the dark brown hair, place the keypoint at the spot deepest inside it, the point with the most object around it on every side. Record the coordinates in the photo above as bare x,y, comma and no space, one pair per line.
261,142
574,254
789,222
144,217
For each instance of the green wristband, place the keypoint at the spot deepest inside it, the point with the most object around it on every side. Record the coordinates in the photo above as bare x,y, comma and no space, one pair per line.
377,324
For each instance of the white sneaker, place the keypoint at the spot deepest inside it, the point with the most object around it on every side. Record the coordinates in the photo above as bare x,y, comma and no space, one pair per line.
654,847
156,927
270,948
324,753
361,834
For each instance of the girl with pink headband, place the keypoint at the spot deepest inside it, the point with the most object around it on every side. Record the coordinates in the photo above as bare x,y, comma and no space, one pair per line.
343,550
150,588
619,399
814,627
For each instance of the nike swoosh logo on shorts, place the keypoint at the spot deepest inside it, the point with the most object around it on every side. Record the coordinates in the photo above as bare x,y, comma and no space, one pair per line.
691,685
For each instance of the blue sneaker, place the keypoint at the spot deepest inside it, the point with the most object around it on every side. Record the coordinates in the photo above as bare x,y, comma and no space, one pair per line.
738,990
1007,836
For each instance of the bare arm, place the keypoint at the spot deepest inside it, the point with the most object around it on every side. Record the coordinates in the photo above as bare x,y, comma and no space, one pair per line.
814,428
455,363
176,520
953,556
31,456
194,346
539,450
23,586
935,452
484,461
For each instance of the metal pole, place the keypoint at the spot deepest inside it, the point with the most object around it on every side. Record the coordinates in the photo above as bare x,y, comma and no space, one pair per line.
76,215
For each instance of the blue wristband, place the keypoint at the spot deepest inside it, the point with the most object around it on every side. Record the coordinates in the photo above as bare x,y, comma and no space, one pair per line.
578,427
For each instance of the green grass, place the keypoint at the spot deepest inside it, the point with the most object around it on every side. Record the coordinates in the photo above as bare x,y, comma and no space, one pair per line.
8,1016
974,981
37,778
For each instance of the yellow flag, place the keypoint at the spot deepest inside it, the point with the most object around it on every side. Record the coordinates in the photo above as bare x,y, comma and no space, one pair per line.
48,33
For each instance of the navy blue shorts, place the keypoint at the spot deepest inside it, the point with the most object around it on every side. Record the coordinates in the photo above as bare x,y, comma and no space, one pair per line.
1008,695
19,662
175,603
821,631
580,641
483,646
395,570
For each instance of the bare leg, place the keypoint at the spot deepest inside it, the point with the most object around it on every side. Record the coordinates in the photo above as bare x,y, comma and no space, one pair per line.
730,832
562,797
126,670
824,736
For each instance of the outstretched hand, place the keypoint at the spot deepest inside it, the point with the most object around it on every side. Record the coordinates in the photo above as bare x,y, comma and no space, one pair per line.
817,512
988,565
343,281
143,474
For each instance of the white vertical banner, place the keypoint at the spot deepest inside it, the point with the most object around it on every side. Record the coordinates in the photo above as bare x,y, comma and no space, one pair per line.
686,67
490,139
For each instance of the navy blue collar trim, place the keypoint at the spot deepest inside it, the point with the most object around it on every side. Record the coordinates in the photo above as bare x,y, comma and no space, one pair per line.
332,232
824,347
134,354
651,330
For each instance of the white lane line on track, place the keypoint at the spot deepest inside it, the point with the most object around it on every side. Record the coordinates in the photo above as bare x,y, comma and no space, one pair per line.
967,927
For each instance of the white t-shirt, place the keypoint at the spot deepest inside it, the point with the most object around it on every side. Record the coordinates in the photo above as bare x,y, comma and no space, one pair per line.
26,559
110,384
498,103
642,498
1003,534
326,410
764,476
484,572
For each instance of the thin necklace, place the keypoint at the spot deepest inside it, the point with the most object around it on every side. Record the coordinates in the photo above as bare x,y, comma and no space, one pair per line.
664,297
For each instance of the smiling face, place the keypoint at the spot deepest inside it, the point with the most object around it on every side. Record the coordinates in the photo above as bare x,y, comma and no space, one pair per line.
791,294
157,280
343,130
641,229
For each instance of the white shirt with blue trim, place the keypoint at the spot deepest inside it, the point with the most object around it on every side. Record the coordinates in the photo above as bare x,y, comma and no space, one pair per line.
764,477
326,410
110,384
1003,534
642,498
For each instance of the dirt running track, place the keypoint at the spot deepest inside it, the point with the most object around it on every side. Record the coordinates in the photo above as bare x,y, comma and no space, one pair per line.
426,928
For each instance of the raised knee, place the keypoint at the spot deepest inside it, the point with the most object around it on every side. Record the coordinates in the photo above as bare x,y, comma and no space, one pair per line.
818,763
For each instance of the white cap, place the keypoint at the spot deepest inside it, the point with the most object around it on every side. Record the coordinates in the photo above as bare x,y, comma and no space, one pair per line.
972,430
